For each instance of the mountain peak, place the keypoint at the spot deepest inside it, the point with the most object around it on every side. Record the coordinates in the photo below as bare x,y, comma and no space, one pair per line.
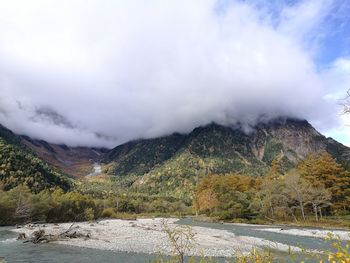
221,149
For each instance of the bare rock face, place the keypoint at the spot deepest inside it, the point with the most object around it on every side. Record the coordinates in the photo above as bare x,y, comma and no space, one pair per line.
298,136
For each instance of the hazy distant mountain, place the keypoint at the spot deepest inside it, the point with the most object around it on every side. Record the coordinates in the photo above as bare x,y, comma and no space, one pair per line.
73,161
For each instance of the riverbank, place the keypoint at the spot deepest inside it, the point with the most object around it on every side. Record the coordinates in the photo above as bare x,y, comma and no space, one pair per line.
336,223
324,234
148,236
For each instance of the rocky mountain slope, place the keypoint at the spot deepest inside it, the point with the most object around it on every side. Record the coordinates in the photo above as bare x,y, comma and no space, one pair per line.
73,161
173,163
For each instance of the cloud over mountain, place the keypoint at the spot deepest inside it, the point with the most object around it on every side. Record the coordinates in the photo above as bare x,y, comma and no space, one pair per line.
99,73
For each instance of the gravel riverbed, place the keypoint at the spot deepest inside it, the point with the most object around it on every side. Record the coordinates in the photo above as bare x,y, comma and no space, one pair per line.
148,236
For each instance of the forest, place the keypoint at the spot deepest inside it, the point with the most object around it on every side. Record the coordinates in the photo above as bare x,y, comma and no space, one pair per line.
316,190
20,166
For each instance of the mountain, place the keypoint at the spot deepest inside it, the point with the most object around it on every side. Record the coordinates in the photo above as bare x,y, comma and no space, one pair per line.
19,165
172,164
73,161
169,165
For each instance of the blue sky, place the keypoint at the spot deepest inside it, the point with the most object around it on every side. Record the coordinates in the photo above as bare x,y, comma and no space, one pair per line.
331,34
335,35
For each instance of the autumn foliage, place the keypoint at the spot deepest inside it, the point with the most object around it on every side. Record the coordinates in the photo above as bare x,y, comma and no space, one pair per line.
318,187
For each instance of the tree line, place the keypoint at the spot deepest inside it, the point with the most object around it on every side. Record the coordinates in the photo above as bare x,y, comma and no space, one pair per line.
20,205
317,187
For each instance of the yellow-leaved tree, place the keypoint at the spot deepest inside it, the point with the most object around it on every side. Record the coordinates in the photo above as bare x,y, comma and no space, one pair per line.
322,170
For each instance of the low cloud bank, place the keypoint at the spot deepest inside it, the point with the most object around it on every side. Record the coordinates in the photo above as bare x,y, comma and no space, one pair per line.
102,73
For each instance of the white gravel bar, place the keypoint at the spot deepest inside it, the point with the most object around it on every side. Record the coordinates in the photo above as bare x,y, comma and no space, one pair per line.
148,236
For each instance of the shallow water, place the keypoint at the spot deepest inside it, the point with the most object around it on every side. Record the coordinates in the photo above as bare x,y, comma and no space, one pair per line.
251,230
305,243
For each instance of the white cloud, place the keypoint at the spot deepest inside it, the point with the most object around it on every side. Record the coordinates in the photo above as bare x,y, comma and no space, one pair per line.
337,79
120,70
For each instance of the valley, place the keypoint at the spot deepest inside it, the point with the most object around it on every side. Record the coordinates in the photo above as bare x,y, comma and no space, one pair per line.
275,174
213,131
164,165
76,162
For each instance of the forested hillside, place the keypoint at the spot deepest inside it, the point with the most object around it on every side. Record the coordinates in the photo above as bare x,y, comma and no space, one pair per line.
20,166
284,170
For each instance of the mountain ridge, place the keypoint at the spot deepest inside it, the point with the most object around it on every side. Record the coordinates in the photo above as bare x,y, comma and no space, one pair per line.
296,135
173,162
218,149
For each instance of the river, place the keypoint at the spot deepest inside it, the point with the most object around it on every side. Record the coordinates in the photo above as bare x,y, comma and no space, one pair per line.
16,251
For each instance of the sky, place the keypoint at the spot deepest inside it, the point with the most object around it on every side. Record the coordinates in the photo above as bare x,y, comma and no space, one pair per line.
101,73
